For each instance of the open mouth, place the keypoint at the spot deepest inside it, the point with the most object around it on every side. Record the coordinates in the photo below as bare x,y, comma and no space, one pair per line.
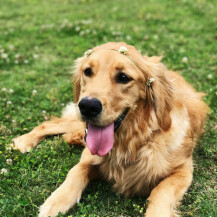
99,139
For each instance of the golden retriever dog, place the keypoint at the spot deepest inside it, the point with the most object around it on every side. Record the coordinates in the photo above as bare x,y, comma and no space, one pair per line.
139,123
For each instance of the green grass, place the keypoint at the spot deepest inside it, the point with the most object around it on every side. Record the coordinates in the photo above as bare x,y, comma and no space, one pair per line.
48,36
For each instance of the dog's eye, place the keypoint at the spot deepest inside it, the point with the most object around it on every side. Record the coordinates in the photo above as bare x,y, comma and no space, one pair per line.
122,78
88,72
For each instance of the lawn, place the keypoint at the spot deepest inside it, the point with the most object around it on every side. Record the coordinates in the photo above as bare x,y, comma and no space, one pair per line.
39,41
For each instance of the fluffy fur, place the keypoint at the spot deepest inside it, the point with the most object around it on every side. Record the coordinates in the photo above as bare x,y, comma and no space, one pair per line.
152,152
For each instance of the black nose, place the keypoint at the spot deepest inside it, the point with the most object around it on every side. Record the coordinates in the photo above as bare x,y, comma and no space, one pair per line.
90,107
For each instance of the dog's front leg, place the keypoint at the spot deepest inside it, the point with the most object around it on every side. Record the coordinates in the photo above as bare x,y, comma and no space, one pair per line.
69,193
72,130
165,196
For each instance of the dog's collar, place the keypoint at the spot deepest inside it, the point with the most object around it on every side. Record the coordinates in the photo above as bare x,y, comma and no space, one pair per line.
119,120
117,123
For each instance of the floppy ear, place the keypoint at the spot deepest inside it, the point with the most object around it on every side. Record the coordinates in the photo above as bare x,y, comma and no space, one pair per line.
77,80
160,95
163,96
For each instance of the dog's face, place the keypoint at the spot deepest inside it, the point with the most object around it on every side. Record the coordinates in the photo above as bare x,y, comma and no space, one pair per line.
109,85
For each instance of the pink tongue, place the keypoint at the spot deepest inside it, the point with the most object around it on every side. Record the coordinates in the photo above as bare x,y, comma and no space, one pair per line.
100,140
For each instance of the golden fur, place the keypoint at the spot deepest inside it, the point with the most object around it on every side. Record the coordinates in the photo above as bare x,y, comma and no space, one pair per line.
152,152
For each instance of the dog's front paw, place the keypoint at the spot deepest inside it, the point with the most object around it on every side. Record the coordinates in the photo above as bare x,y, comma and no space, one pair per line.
24,143
58,202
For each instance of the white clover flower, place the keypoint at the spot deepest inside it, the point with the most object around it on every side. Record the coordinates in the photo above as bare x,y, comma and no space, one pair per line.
77,28
26,61
9,102
36,47
43,112
16,61
8,148
210,76
156,37
62,104
81,33
123,50
185,59
128,37
34,92
88,52
150,81
13,121
17,56
11,46
9,161
4,89
3,171
35,56
4,56
11,90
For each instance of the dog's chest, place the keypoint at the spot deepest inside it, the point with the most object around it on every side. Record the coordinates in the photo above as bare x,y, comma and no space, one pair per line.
136,176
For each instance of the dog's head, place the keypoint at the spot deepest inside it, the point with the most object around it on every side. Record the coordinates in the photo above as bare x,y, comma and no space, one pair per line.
109,83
